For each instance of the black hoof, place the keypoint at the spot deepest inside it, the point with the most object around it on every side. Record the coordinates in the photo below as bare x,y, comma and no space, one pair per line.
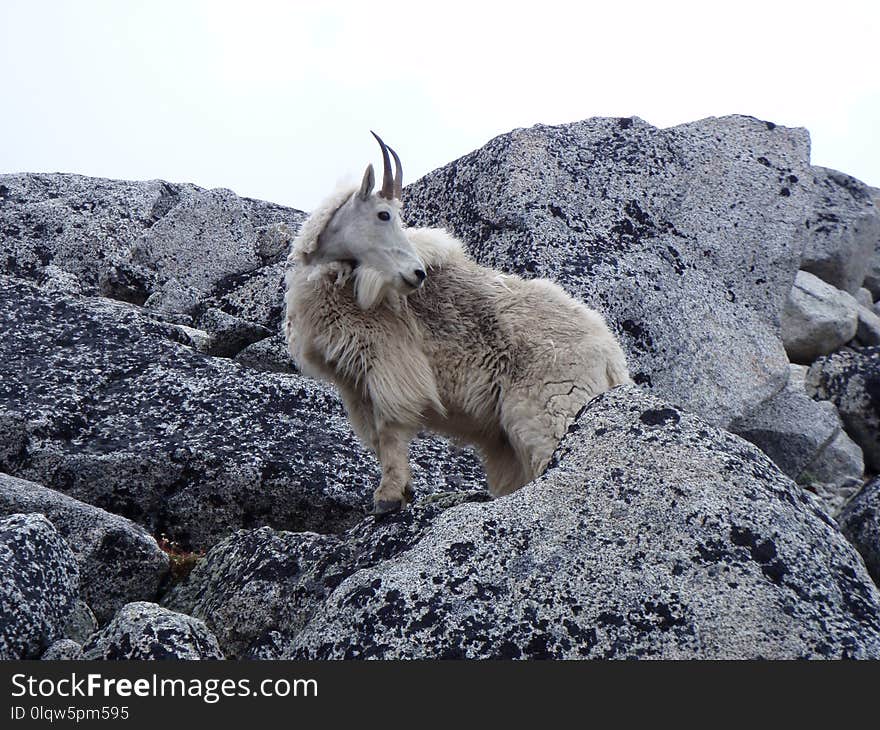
408,494
386,507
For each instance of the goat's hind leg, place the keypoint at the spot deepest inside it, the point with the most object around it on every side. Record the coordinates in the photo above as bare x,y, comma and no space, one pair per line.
395,489
504,471
534,423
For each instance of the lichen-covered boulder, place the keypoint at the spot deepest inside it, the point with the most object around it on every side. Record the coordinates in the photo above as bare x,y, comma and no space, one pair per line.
860,522
791,428
652,534
39,584
172,301
806,440
872,276
836,473
144,630
271,354
257,296
118,560
229,335
841,231
687,239
851,380
56,280
258,588
818,319
868,329
259,582
199,240
127,239
81,623
76,224
63,650
865,298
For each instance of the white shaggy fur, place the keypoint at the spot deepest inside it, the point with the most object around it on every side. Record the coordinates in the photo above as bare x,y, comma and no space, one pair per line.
486,358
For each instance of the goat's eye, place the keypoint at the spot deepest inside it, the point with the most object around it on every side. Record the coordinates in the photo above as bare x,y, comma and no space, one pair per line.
384,215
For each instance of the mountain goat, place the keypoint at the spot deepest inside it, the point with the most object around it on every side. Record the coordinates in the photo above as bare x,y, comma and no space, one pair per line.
415,334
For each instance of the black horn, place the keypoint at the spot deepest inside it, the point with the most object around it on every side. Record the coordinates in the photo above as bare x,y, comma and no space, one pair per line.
387,190
398,175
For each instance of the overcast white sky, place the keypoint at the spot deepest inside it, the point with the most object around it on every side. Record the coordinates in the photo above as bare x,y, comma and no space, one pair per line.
275,100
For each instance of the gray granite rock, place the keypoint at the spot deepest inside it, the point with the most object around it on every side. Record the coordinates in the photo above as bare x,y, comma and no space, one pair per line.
817,319
836,473
39,584
652,534
146,631
203,238
860,522
841,231
81,225
167,243
687,239
257,588
228,335
63,650
865,298
872,277
192,337
56,280
257,296
118,560
273,242
257,582
270,354
174,302
105,404
791,428
806,440
81,623
851,380
868,328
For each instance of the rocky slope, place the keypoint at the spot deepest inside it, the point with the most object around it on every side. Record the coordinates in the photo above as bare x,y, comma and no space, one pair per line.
652,534
147,405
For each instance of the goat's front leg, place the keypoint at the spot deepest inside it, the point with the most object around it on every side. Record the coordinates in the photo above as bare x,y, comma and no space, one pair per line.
360,416
395,489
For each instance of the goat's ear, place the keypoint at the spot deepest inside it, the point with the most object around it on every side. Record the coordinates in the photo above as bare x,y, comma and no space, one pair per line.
367,183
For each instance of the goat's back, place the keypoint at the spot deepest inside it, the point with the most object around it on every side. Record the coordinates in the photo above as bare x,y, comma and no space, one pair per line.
489,335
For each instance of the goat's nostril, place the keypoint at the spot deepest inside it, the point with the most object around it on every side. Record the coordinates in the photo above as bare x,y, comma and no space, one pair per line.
420,275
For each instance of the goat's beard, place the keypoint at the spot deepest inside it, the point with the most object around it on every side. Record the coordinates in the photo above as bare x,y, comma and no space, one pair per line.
370,287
